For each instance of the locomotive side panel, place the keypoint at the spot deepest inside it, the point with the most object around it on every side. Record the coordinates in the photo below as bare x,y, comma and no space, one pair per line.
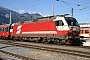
36,29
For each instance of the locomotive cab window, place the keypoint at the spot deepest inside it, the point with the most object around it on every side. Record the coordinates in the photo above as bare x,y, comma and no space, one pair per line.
59,23
71,21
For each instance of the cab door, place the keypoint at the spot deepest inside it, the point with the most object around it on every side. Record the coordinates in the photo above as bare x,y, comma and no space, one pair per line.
59,25
61,29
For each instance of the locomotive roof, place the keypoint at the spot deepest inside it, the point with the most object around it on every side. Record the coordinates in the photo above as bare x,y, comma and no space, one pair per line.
4,26
43,19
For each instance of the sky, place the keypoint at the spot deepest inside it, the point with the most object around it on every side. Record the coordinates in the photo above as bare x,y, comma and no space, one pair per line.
81,8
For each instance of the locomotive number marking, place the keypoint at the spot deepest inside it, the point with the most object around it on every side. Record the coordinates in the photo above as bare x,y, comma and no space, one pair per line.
18,29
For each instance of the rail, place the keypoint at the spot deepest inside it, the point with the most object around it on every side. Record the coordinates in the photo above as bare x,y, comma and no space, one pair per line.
58,50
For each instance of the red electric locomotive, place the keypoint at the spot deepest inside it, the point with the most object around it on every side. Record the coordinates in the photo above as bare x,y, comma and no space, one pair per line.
4,31
56,29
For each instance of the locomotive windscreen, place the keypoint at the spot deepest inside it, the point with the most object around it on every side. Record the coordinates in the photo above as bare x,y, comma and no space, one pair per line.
71,21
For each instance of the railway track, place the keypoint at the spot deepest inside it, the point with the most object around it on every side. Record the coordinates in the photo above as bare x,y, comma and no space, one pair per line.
15,55
85,47
12,53
2,59
58,50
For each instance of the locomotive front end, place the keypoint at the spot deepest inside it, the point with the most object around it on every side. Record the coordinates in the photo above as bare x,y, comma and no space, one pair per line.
74,31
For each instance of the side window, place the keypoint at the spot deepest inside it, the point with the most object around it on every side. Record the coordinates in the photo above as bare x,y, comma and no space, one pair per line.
59,23
7,29
3,30
86,31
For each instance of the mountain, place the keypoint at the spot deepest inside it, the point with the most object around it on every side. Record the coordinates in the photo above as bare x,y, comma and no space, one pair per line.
4,16
31,16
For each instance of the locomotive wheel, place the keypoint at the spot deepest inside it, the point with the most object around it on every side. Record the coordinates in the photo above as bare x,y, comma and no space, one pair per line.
58,41
14,38
37,41
45,40
4,38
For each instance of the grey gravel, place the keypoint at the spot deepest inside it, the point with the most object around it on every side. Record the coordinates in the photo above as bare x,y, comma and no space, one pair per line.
37,54
8,57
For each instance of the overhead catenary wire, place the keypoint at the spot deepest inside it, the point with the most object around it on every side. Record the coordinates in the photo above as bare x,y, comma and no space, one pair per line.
46,0
71,7
41,2
76,5
83,7
63,9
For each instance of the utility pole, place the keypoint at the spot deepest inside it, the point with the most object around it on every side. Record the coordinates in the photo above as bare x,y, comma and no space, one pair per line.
52,9
10,18
72,10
